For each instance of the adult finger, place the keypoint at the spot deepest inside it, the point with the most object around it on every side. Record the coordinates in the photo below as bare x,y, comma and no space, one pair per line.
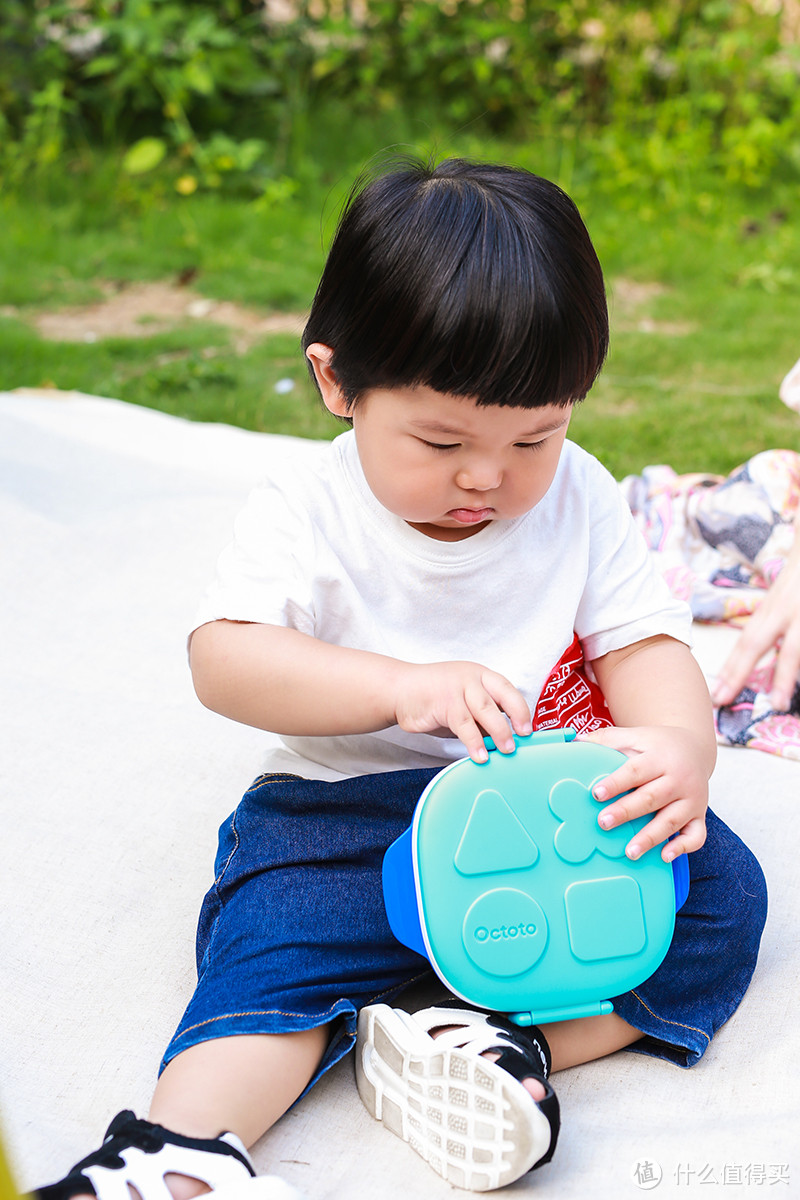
762,632
787,669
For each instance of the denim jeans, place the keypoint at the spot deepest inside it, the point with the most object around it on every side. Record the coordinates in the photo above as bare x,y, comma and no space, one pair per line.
293,933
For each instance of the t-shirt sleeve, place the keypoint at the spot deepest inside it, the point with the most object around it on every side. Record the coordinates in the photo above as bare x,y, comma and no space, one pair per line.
625,599
261,575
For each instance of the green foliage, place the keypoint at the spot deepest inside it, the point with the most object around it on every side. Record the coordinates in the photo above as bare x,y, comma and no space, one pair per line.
215,94
193,80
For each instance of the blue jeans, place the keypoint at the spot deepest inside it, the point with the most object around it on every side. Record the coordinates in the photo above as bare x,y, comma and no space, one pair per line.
293,934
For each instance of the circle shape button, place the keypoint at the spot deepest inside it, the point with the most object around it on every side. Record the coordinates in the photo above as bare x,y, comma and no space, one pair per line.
505,932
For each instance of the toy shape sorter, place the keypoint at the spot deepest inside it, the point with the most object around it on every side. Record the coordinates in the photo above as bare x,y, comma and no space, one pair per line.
521,902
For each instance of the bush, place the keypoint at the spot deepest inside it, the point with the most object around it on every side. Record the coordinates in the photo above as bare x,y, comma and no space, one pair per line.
706,79
192,80
230,92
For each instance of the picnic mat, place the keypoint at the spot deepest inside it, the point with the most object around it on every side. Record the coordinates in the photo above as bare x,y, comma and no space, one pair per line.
114,780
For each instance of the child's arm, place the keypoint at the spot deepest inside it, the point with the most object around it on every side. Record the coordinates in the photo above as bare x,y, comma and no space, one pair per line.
660,704
288,682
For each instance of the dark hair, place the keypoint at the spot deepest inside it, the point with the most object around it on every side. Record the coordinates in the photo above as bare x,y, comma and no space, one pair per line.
470,278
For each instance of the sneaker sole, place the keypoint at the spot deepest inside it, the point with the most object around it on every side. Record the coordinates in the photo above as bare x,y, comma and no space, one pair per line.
471,1121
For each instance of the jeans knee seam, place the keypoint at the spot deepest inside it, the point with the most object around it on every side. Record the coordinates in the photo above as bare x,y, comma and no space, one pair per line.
272,777
258,1012
677,1024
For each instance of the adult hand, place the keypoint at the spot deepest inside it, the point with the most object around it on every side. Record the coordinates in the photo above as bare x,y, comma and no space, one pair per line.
776,622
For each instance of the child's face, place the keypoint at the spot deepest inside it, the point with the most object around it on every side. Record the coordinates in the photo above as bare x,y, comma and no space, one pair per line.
448,466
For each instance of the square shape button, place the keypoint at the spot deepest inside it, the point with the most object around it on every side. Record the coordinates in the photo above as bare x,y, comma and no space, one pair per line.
605,918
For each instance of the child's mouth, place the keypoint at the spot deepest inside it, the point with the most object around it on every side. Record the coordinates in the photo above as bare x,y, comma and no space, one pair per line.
470,516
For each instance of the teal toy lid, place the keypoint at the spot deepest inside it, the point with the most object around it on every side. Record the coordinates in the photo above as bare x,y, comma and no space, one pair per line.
521,902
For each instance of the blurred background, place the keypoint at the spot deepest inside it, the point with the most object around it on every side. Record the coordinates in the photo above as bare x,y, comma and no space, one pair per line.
171,172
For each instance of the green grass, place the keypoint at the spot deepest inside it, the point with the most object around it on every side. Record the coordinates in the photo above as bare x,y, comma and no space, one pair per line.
54,250
691,379
174,372
693,374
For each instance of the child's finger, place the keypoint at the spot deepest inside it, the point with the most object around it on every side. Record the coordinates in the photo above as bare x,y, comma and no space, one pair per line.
690,838
490,720
628,776
467,731
668,821
638,802
479,716
510,701
493,704
630,773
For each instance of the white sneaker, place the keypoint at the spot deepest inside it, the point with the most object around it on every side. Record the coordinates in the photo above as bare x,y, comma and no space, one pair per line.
471,1119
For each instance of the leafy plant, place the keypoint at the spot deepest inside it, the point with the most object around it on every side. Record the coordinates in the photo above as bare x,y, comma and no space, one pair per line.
221,94
186,81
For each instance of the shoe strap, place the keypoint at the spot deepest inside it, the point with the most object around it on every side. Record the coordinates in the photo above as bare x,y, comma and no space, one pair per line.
139,1153
480,1031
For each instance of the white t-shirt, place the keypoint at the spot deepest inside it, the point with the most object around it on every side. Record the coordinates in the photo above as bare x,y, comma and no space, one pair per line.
315,551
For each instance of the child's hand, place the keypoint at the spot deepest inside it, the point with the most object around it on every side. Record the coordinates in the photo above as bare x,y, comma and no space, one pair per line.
666,774
463,698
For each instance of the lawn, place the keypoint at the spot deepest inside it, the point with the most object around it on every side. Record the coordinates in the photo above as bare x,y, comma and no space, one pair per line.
703,281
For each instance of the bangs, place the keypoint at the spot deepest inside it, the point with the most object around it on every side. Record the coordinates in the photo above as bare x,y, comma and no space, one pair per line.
470,279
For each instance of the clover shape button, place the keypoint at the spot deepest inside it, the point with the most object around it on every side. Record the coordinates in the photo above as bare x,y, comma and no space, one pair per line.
579,835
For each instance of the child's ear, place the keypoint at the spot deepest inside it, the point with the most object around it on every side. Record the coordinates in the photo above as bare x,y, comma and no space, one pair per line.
320,357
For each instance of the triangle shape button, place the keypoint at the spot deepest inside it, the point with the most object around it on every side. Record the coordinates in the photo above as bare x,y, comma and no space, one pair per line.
494,839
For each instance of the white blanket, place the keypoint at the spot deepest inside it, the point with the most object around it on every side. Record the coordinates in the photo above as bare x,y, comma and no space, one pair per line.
115,779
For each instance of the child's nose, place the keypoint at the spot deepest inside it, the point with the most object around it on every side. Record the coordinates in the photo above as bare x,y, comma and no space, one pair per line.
479,476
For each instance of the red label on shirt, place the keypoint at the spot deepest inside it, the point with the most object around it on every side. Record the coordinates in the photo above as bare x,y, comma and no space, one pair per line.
570,698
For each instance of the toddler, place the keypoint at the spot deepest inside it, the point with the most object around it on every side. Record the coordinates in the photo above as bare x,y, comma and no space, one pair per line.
451,568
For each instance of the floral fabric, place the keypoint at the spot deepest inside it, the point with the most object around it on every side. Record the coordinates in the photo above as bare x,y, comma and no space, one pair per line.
721,542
